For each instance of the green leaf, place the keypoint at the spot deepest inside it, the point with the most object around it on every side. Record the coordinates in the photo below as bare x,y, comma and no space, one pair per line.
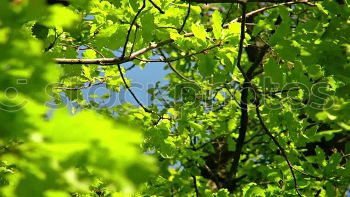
228,56
286,50
252,189
231,144
217,21
206,65
112,147
89,53
40,31
72,70
147,22
272,69
320,154
199,32
62,17
232,124
235,28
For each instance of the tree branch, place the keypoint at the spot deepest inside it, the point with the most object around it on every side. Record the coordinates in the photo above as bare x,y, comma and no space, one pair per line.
279,147
243,105
131,92
241,41
195,185
111,61
186,17
150,47
117,60
242,130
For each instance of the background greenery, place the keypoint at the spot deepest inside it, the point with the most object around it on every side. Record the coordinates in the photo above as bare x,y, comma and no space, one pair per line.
255,111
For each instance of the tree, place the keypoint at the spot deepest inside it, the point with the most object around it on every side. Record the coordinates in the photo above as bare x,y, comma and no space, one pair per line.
255,104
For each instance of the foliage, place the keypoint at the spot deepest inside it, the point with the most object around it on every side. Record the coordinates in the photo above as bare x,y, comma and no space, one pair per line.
256,104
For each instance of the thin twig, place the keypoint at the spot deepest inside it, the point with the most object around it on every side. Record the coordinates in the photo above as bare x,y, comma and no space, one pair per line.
255,12
228,14
253,137
133,43
131,92
131,67
98,52
168,27
307,174
185,19
231,94
182,57
130,28
279,91
157,7
176,71
160,117
210,7
54,41
283,152
83,87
